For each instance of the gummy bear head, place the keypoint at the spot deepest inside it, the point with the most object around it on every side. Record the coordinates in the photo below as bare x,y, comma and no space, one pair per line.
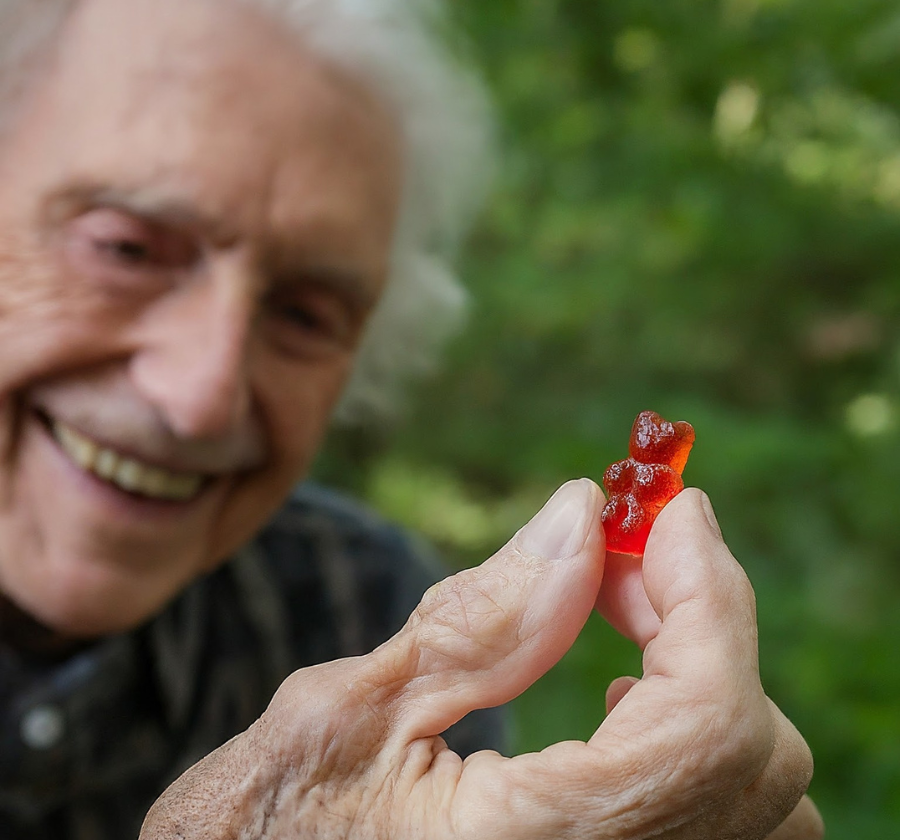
657,441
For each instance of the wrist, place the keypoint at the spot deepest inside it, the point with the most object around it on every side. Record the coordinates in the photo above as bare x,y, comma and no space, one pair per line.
194,806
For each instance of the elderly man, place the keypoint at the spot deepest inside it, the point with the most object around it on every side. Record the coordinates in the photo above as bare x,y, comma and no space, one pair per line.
214,215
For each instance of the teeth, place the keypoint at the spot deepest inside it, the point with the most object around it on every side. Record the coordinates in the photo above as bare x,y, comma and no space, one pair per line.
106,464
126,473
82,450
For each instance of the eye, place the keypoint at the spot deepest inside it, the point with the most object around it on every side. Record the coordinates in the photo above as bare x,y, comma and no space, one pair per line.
114,245
129,251
311,321
307,318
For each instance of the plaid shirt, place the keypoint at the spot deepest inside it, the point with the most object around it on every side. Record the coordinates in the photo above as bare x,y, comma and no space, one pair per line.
87,743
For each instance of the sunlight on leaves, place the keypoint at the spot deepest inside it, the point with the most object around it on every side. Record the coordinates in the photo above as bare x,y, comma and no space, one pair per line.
636,49
736,111
870,415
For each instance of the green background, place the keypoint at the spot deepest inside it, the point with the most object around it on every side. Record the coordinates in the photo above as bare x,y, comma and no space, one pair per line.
697,211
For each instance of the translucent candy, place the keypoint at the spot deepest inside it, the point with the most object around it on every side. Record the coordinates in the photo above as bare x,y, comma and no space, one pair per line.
640,486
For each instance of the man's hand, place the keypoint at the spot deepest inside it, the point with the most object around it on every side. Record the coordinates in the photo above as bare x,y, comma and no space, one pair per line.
692,751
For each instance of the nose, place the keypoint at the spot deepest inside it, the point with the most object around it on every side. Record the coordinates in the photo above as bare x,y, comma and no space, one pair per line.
192,364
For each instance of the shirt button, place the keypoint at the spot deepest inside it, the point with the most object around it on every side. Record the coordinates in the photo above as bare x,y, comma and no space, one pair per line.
42,727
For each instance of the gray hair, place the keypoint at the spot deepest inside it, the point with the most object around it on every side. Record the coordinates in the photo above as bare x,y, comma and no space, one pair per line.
401,50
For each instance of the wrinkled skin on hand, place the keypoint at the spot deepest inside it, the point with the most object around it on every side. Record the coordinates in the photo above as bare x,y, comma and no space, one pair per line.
694,750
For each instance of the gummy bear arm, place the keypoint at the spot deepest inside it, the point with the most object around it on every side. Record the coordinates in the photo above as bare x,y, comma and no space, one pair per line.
679,461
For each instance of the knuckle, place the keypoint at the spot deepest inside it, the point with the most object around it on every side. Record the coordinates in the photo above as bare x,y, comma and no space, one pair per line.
782,786
733,741
741,585
794,759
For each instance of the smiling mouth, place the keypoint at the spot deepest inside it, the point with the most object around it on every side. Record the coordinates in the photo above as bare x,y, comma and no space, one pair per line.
125,473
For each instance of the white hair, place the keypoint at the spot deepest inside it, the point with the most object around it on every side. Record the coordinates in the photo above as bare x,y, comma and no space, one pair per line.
401,49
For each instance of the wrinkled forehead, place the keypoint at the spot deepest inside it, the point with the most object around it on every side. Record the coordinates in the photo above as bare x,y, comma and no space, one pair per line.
140,43
214,97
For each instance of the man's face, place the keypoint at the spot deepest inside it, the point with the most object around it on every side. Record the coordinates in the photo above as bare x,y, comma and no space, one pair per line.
195,221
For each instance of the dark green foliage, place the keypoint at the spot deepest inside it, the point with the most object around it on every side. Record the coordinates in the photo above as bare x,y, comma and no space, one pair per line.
698,212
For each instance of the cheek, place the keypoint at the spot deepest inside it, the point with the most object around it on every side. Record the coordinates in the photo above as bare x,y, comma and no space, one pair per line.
297,401
297,410
49,324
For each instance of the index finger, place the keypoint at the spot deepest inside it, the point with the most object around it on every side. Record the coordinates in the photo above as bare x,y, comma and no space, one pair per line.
688,588
702,596
701,671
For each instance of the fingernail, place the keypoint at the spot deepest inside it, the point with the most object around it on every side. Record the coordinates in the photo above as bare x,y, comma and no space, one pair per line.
707,507
559,529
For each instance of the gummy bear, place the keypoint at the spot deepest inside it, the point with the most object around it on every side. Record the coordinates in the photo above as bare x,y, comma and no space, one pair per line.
640,486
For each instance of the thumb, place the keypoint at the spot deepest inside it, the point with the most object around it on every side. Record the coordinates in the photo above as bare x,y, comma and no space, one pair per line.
481,637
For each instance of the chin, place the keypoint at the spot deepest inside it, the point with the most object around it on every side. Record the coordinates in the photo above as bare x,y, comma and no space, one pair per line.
89,599
82,618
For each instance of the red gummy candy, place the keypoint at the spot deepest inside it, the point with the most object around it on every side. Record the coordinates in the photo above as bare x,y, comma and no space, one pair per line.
639,487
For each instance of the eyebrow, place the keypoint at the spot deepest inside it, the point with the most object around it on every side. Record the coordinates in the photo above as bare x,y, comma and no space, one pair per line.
344,282
148,203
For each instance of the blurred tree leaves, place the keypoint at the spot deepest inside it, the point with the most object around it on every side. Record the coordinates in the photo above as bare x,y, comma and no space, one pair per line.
697,211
